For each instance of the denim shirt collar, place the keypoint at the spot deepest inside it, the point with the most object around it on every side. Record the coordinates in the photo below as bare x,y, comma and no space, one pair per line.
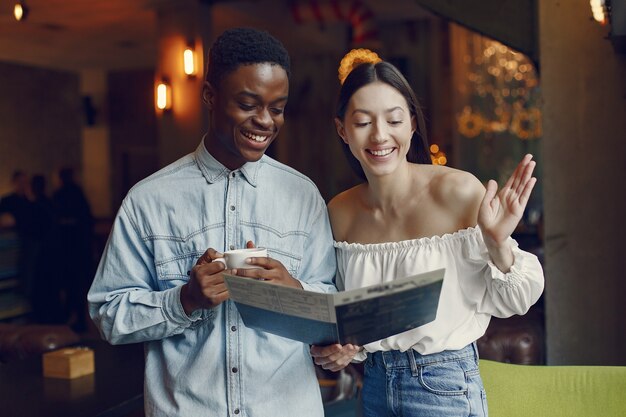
213,170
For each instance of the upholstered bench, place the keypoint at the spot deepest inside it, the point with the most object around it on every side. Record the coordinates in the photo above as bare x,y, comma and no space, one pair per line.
554,391
21,341
517,339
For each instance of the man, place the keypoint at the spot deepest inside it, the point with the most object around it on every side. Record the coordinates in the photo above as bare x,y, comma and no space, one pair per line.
16,203
20,209
73,256
157,283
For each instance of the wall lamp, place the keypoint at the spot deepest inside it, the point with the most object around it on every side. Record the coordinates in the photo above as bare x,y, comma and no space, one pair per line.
600,11
164,95
20,11
190,65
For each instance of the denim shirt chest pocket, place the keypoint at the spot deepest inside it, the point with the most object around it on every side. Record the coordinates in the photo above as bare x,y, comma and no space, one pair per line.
174,258
286,246
174,271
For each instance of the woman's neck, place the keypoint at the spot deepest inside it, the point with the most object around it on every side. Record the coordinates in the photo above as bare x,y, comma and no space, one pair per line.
388,193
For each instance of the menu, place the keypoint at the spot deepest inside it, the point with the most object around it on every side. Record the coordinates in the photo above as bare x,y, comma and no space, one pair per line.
357,316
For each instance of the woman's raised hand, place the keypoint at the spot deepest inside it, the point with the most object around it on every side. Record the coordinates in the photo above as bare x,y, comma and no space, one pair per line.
500,212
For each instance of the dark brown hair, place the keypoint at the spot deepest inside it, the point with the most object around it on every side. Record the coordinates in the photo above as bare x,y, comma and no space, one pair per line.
386,73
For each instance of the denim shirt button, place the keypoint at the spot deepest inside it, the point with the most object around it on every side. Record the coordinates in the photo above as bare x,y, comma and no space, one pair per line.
232,208
234,370
232,247
236,411
233,328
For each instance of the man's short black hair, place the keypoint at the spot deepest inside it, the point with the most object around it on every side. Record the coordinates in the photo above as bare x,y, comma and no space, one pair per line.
244,46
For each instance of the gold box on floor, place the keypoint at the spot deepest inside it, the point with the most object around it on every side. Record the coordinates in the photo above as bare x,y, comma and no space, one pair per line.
68,363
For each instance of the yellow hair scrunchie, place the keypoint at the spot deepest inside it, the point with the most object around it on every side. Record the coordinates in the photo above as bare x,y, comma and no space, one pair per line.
353,59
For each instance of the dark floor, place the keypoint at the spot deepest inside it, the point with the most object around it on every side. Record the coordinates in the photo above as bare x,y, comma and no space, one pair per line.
346,408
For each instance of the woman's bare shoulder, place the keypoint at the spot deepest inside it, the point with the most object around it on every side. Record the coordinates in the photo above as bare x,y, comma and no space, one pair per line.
458,190
341,210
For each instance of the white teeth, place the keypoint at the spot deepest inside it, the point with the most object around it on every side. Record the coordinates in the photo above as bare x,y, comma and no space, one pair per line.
255,138
382,152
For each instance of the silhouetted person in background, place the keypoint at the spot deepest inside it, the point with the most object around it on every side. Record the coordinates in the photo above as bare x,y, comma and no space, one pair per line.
16,203
46,299
20,208
74,242
42,208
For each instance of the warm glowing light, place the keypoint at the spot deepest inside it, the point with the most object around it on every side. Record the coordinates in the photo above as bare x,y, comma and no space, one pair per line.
437,156
189,61
163,96
501,87
20,11
599,10
353,59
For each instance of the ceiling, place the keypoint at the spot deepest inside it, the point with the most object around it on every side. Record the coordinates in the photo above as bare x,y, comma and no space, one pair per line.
79,34
118,34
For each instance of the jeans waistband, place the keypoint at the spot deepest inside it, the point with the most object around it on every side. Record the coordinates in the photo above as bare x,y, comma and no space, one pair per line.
411,358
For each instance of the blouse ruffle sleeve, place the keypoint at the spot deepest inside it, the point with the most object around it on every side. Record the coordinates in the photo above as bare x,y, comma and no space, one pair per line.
504,294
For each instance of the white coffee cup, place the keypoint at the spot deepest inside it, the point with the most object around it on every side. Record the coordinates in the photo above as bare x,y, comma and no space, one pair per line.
236,258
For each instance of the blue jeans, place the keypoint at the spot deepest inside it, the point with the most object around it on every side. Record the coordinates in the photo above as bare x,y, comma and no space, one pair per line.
407,384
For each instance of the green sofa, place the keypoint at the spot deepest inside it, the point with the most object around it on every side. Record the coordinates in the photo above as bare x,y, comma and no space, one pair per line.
554,391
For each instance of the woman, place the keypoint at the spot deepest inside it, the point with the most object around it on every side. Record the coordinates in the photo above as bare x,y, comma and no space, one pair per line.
409,217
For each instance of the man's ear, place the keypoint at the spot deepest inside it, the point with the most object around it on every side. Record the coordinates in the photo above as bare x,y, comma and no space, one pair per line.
341,131
208,95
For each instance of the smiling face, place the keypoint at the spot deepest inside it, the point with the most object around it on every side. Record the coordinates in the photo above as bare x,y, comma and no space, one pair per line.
246,113
377,127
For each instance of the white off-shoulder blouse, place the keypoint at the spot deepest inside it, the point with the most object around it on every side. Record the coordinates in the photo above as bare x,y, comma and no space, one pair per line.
473,290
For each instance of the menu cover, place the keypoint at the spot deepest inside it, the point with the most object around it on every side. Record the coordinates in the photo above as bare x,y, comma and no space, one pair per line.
358,316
